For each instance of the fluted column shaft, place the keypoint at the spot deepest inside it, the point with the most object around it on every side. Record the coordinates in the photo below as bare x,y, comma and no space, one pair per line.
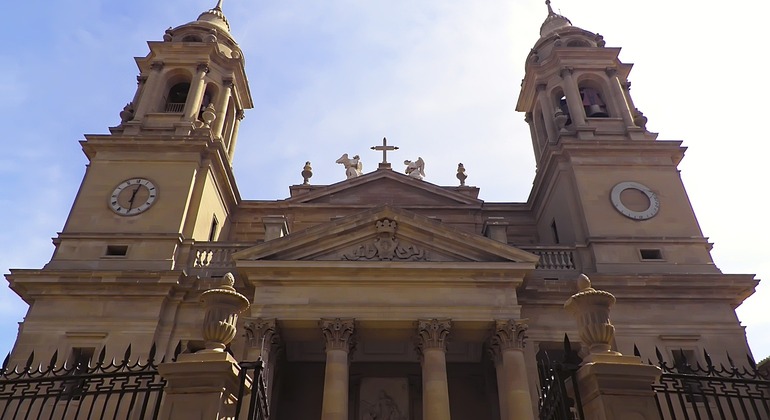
572,93
221,109
619,97
435,389
547,110
195,94
507,346
338,334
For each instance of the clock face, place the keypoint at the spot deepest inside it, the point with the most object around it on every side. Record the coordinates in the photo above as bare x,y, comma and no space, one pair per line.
635,200
133,196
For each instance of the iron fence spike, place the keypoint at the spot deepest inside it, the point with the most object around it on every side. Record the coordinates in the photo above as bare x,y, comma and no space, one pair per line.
636,351
30,360
127,355
659,356
151,357
102,355
52,362
5,362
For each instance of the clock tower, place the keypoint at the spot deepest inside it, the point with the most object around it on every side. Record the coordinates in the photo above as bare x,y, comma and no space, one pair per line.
159,181
604,183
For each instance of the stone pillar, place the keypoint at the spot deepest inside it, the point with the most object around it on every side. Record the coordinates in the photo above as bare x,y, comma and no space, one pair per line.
547,110
572,93
432,348
150,92
195,95
221,108
234,135
201,386
507,347
205,385
338,334
619,98
611,386
262,342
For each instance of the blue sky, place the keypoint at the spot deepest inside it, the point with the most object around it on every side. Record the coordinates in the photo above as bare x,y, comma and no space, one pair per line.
438,78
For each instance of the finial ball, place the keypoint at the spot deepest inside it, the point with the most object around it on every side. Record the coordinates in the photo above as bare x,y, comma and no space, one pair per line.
583,282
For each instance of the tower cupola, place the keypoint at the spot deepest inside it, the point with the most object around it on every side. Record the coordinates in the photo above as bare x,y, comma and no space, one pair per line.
193,82
576,88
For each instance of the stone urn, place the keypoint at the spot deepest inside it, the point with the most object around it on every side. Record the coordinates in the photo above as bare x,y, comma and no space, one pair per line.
591,309
209,115
222,304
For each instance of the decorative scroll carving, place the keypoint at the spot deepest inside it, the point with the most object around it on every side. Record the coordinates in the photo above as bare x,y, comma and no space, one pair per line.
386,247
262,333
510,334
338,333
432,334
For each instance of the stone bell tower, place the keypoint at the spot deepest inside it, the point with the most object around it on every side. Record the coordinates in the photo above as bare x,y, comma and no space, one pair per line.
604,183
159,181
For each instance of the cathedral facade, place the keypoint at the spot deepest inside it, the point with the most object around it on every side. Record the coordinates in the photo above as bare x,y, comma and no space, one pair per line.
382,296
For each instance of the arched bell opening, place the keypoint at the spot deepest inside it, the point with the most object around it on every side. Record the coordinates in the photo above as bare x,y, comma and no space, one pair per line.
594,98
177,90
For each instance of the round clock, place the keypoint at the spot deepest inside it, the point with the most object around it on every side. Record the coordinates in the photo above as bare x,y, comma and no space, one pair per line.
638,212
133,196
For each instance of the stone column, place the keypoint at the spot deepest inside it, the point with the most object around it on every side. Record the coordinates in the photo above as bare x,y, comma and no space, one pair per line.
234,135
195,94
612,386
572,93
619,98
547,110
507,347
221,108
150,92
262,342
338,334
432,348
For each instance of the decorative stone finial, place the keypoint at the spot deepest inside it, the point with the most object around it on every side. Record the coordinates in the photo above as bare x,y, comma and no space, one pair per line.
353,167
127,114
222,304
553,21
209,115
461,174
307,173
215,17
415,169
591,309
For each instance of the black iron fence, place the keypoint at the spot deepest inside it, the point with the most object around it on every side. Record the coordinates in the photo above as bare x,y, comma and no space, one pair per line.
82,389
252,403
88,389
556,370
689,389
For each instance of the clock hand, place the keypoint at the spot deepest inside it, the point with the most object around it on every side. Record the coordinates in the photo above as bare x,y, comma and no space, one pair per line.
133,196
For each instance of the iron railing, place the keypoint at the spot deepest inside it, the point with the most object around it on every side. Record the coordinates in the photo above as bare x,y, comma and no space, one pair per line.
556,401
87,390
254,405
688,389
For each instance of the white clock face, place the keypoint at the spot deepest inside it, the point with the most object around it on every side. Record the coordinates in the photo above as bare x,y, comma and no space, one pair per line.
653,203
133,196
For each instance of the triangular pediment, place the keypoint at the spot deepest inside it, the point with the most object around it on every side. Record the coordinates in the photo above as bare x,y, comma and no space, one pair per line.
387,187
385,234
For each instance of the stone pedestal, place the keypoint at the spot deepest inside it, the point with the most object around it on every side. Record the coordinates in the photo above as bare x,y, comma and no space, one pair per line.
201,386
618,387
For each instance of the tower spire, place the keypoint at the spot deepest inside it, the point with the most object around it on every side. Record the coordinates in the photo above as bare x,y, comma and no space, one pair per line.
553,21
216,17
219,5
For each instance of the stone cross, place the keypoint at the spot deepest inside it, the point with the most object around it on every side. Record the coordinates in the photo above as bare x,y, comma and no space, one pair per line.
384,148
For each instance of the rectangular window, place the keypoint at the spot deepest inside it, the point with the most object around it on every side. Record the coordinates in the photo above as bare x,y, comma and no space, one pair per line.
555,231
116,251
77,364
651,255
214,226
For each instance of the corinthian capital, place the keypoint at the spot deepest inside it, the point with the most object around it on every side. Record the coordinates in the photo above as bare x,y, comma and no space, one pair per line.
509,334
432,333
338,333
261,333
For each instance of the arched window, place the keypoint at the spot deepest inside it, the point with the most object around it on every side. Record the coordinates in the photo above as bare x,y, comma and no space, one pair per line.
192,38
592,96
177,97
574,43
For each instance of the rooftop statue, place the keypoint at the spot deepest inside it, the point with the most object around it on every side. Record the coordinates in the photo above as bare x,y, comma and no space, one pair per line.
415,169
353,167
